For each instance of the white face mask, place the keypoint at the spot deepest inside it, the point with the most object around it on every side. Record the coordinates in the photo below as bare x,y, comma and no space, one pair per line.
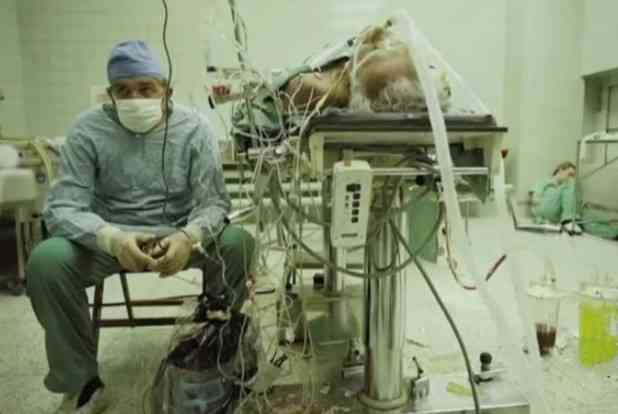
139,115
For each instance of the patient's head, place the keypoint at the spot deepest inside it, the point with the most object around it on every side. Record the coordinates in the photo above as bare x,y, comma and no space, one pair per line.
384,78
397,95
564,171
381,77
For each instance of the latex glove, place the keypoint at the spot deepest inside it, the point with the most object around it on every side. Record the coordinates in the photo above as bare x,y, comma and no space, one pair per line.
129,247
172,254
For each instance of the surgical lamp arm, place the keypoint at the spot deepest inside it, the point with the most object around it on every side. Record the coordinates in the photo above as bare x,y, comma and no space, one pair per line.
241,44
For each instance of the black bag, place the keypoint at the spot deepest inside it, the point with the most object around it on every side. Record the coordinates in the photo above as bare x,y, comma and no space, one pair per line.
205,371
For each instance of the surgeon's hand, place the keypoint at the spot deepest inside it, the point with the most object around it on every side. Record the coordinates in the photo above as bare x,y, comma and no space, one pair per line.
128,248
172,254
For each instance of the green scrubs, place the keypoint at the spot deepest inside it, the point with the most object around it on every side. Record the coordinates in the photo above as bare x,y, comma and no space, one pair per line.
59,271
556,203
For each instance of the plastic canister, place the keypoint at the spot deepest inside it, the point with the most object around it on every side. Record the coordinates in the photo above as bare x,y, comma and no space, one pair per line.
598,324
545,300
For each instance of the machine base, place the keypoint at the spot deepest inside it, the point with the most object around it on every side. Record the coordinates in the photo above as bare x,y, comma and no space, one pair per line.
499,397
325,384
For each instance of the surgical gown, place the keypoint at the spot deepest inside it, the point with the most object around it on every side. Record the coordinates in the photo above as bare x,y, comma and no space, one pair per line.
113,176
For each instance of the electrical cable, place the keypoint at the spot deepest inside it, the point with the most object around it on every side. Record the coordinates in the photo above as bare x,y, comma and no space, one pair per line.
421,164
317,256
299,209
332,265
283,218
166,117
167,114
374,226
167,106
446,313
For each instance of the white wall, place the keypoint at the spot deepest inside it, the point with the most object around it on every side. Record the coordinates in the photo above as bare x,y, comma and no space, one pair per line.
544,86
600,32
66,43
513,89
12,113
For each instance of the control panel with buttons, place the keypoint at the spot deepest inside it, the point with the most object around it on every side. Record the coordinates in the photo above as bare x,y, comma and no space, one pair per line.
351,200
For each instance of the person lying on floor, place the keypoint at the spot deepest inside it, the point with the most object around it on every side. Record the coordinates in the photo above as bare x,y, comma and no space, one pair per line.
114,198
554,200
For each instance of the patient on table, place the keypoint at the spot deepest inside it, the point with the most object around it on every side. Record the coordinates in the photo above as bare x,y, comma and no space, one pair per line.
371,72
554,200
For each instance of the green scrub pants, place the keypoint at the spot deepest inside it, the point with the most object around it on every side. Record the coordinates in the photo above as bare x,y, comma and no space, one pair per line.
556,204
59,271
559,204
597,224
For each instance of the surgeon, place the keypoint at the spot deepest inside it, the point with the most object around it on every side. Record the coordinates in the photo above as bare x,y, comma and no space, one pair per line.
118,206
554,201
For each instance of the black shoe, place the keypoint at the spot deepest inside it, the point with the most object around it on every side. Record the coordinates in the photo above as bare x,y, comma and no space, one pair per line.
92,398
208,304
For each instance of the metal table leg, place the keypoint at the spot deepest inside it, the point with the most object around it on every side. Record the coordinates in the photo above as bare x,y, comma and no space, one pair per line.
384,327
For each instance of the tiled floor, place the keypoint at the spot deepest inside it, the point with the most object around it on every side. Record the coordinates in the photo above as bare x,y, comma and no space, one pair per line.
128,357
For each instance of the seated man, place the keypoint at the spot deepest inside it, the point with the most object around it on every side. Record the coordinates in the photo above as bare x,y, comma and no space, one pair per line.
554,200
115,197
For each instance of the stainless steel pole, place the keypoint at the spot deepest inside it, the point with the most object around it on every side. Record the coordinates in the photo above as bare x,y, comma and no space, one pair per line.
384,324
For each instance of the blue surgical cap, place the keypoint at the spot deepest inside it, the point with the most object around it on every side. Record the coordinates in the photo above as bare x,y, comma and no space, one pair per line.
132,59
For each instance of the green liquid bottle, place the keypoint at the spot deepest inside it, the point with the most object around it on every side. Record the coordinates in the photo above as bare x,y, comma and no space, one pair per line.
597,327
